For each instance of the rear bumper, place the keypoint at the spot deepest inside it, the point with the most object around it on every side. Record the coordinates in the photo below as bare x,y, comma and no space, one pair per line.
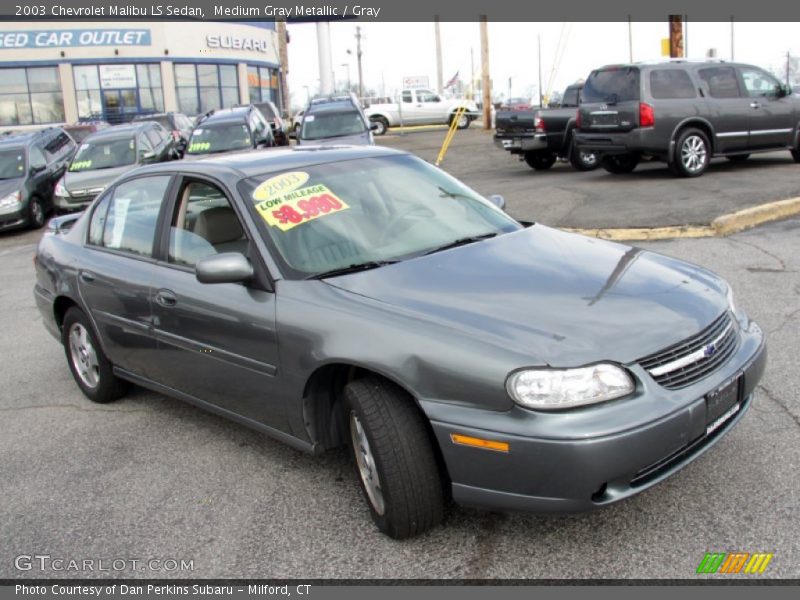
521,143
562,474
642,140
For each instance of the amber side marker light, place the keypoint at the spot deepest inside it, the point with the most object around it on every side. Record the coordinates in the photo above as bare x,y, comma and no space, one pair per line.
466,440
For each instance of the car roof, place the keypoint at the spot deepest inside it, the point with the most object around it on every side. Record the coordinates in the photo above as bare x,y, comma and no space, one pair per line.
332,106
118,131
236,114
249,164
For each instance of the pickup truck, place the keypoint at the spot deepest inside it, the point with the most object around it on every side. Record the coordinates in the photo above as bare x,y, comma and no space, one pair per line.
419,106
541,136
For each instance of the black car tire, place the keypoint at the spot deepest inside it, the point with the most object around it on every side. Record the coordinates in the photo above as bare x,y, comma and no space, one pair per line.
108,387
582,160
619,164
36,215
410,496
796,155
541,161
738,157
383,125
692,153
463,121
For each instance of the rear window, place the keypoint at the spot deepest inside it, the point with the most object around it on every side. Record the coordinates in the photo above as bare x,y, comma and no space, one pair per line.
612,86
670,84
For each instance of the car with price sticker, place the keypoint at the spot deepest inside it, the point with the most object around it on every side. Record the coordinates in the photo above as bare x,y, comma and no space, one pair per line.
237,129
361,297
105,155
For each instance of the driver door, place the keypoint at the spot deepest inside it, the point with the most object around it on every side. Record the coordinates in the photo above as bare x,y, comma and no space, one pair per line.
772,117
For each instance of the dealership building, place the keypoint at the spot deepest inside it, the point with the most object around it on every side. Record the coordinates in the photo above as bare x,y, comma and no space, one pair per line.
113,71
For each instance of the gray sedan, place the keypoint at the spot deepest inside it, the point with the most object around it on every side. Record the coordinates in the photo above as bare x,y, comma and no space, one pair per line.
362,297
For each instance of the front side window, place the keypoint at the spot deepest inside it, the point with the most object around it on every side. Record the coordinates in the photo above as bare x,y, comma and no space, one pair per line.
37,156
224,137
104,154
330,216
407,97
722,82
426,96
130,221
759,84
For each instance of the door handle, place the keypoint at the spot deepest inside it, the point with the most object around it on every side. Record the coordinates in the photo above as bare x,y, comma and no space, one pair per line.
755,105
87,276
166,298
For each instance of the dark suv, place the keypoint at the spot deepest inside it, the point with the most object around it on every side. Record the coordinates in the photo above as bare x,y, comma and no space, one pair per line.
30,166
684,113
230,130
178,124
335,120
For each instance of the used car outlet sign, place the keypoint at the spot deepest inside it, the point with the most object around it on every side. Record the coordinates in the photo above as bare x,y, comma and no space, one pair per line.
70,38
232,42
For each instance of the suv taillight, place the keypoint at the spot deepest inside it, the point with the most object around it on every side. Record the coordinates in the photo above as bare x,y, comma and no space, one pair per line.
647,116
538,124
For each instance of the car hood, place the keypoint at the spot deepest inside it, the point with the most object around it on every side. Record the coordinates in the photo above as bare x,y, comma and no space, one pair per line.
359,139
90,180
564,299
9,186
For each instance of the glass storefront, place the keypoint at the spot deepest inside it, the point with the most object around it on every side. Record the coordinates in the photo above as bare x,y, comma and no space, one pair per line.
117,92
30,96
264,85
204,87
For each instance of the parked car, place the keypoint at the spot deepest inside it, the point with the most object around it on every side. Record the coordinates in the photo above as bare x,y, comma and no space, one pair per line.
105,155
296,120
82,129
516,104
276,122
541,136
30,165
362,296
683,113
176,123
419,106
230,130
335,120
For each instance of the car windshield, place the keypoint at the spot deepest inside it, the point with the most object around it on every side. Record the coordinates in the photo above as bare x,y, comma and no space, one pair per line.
208,139
105,154
12,163
326,124
612,85
366,212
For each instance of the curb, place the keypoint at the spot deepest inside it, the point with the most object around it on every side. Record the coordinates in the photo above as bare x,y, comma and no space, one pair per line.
722,226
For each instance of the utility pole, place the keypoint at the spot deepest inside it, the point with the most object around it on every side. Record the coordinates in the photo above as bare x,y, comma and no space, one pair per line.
539,41
324,51
439,85
283,58
788,59
472,73
675,36
630,40
731,37
485,81
358,57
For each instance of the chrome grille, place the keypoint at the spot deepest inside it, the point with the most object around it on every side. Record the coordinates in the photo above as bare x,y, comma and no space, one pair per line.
689,361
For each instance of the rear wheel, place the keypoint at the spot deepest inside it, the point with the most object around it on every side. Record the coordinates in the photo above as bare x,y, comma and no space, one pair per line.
89,366
395,458
382,125
463,120
620,163
738,157
35,213
541,161
582,160
692,153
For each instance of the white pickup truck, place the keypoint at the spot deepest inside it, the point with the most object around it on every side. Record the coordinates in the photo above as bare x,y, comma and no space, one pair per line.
419,106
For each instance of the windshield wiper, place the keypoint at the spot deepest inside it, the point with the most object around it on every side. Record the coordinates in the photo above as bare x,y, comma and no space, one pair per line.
354,268
461,242
449,194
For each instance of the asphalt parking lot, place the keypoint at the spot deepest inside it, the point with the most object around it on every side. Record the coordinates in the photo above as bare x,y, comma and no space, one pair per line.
562,197
150,477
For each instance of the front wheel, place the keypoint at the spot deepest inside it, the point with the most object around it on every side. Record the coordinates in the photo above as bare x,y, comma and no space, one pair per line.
394,457
463,121
619,164
692,153
90,368
35,213
796,155
541,161
381,125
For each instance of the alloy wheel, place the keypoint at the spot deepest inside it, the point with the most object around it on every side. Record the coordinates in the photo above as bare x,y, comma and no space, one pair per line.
366,465
83,356
693,153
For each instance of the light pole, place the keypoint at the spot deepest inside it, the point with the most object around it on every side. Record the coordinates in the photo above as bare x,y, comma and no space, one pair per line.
349,86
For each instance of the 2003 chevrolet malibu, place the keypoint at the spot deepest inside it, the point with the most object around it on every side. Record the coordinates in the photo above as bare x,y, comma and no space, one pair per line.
360,296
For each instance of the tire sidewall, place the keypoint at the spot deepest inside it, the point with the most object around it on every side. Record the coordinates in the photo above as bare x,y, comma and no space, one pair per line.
108,387
382,127
33,222
680,168
577,161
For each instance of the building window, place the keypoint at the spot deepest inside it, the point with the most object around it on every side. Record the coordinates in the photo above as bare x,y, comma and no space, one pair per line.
148,80
30,96
118,92
264,85
202,87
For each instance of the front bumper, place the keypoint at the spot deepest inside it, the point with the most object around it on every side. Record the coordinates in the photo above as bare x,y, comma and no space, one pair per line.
520,144
72,203
567,467
13,218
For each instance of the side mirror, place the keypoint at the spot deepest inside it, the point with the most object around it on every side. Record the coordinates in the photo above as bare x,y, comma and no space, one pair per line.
781,90
498,201
38,167
437,98
228,267
147,155
373,126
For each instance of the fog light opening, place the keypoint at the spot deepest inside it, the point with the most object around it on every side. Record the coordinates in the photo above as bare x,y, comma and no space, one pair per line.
599,495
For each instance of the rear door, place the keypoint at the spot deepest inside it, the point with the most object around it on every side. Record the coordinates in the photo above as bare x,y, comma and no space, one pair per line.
611,100
772,117
728,108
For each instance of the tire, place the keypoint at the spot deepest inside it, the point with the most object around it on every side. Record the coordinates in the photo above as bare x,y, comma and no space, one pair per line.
738,157
541,161
395,458
692,153
89,366
383,125
36,216
796,155
619,164
463,121
581,160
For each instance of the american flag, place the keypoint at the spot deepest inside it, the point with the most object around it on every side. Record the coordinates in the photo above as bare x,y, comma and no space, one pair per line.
452,81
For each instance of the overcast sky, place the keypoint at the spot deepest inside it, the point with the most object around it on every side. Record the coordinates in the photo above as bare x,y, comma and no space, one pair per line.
392,51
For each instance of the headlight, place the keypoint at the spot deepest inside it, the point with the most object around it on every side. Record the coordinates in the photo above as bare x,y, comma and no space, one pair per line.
553,389
61,190
10,201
